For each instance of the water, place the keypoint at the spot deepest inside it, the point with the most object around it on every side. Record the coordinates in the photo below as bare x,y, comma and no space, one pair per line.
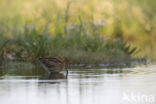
83,86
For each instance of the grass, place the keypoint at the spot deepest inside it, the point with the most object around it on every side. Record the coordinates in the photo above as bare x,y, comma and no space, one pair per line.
88,32
14,68
82,47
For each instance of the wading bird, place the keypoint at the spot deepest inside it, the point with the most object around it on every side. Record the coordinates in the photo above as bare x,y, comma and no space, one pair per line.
54,65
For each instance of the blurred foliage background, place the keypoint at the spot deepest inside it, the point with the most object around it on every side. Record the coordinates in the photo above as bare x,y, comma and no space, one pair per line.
132,21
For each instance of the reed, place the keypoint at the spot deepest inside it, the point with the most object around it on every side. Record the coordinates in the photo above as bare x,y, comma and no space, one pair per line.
84,47
77,30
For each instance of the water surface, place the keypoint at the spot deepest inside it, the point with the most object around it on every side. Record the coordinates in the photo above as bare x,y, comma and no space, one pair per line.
83,86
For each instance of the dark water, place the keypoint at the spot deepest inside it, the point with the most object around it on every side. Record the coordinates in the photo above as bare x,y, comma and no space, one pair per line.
83,86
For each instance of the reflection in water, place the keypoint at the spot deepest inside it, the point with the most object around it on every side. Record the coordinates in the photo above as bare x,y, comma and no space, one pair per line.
83,86
54,76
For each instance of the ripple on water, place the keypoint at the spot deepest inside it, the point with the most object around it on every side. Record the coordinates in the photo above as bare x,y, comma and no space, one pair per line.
83,86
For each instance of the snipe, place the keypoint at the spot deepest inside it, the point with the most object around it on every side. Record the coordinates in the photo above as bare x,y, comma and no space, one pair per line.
53,65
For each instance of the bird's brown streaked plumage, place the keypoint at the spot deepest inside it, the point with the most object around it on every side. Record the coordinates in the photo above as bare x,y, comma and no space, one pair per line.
52,64
54,76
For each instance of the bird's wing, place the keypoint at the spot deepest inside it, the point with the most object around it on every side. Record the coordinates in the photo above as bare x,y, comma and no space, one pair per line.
55,60
51,63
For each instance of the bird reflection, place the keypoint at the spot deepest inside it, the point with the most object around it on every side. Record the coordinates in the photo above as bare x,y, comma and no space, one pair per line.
52,78
55,76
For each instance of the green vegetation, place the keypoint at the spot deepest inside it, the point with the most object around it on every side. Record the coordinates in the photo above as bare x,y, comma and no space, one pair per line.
19,68
86,32
82,47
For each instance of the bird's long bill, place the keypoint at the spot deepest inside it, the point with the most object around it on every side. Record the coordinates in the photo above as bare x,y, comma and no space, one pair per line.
67,67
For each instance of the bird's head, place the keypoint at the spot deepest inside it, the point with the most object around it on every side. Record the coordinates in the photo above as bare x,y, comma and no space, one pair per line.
65,61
